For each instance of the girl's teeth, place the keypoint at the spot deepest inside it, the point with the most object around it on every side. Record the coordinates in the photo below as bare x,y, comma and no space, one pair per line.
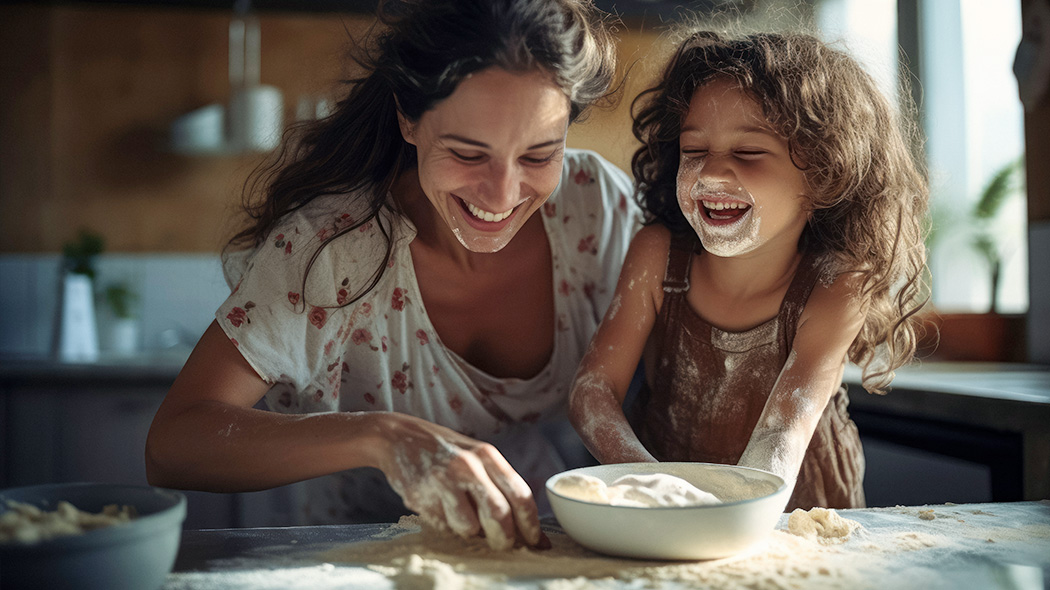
721,205
487,215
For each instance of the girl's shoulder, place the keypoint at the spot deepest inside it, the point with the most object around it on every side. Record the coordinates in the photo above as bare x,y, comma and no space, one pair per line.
652,242
835,305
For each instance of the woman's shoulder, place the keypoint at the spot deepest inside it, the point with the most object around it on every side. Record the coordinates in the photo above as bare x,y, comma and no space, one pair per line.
330,235
592,182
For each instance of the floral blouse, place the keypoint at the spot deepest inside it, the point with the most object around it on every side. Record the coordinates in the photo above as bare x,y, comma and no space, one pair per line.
382,353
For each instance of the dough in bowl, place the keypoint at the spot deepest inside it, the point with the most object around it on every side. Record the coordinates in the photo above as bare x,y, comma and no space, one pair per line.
648,490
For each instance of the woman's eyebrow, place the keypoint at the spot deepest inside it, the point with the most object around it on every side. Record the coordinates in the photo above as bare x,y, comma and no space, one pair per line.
482,144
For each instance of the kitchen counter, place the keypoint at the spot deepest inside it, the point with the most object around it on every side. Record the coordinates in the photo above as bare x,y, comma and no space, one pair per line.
989,546
1025,383
147,367
999,399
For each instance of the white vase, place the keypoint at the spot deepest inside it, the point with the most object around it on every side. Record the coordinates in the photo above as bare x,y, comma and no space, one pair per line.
78,332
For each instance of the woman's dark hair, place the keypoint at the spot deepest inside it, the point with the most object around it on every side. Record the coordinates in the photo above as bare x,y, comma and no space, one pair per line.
865,184
417,54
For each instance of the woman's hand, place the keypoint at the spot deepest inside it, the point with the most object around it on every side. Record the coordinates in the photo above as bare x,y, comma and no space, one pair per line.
458,483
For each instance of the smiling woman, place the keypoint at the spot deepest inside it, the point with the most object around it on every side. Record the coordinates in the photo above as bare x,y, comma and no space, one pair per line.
488,156
421,275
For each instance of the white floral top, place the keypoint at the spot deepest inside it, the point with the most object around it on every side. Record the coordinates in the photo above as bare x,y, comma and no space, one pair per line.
382,353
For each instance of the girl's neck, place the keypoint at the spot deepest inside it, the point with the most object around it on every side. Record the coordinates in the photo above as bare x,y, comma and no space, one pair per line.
749,276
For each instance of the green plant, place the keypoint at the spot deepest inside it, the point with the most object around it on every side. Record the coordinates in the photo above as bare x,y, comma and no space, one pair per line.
79,255
1005,183
121,300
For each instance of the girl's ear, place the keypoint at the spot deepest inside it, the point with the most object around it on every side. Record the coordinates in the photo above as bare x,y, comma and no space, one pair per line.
408,128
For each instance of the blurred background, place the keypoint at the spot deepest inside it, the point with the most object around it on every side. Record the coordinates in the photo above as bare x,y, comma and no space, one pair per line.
129,130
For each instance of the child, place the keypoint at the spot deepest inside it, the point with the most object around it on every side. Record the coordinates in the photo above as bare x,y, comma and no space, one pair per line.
785,235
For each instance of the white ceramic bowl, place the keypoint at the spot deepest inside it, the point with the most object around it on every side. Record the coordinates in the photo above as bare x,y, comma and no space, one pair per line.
133,555
752,502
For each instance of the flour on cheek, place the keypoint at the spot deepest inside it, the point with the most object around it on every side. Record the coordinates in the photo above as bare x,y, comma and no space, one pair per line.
725,240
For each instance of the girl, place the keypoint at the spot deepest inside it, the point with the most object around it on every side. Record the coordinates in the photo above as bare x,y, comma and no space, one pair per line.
785,234
418,282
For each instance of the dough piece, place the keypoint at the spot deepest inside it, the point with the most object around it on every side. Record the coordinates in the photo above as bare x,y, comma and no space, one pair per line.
582,487
823,525
657,490
27,524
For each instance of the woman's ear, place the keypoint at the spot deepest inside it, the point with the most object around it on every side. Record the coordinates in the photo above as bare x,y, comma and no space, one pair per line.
408,128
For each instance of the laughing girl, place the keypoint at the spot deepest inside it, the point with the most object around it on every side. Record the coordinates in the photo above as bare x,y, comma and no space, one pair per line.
786,210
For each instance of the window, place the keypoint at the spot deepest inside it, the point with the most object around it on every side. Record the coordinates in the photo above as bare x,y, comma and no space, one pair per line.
973,122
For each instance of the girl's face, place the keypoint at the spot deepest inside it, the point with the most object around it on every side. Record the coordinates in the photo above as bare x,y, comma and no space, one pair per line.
491,153
737,185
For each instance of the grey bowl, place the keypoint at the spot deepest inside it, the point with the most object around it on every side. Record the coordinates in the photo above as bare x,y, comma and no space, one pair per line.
137,555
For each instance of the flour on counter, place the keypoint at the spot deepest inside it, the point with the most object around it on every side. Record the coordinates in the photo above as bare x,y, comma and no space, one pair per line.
890,548
318,577
414,556
26,524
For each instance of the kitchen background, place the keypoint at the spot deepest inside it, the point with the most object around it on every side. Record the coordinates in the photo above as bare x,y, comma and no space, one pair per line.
111,120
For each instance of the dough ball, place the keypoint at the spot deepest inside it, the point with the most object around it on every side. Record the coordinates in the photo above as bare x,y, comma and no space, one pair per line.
821,524
582,487
657,490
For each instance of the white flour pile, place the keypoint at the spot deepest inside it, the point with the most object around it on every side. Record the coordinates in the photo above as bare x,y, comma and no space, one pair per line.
26,524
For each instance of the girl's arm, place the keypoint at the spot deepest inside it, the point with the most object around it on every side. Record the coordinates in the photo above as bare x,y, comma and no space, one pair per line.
813,372
207,436
605,373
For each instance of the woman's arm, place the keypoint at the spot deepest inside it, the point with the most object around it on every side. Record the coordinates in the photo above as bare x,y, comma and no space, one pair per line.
831,321
605,373
207,436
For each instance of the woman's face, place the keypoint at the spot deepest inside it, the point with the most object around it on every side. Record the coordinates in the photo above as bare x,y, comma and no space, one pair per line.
491,153
737,184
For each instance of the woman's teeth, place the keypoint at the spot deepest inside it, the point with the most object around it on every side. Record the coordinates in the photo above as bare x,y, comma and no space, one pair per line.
487,215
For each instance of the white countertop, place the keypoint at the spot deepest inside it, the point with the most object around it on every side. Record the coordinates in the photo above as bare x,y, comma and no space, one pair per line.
1006,381
987,546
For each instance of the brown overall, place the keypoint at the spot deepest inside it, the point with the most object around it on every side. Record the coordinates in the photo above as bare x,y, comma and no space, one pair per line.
710,387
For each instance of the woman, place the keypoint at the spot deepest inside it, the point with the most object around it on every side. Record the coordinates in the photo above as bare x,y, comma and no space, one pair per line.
423,274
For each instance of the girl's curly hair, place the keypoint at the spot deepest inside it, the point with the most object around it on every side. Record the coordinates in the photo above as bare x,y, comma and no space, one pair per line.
867,188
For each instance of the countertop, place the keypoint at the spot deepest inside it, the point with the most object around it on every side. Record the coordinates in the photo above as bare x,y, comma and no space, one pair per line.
151,366
1008,398
1017,382
1000,545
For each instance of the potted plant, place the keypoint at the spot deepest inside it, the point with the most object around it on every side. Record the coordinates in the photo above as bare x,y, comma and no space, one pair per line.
1004,184
990,336
77,339
124,328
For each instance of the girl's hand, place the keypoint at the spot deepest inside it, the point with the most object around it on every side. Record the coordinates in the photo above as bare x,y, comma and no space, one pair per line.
458,483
